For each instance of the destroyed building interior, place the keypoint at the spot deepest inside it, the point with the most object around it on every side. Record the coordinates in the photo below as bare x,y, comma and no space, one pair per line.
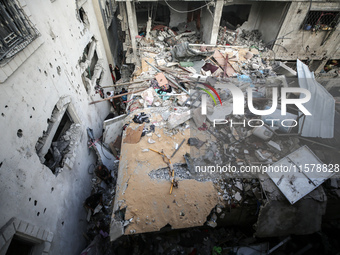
169,127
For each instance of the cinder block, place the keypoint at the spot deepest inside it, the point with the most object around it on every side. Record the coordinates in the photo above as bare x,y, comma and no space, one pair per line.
7,70
13,65
22,56
16,223
22,227
34,231
40,233
49,237
25,54
45,235
29,229
3,76
47,246
29,51
9,232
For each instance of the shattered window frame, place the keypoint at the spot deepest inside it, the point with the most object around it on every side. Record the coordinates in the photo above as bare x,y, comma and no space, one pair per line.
46,143
16,29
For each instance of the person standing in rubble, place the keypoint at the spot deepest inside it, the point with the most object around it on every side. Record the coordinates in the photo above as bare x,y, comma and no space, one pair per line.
117,73
111,71
124,98
116,102
111,94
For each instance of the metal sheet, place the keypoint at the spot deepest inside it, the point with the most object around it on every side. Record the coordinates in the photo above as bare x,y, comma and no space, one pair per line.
299,173
321,106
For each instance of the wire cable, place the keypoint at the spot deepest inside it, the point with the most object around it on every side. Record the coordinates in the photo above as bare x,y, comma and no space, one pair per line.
187,11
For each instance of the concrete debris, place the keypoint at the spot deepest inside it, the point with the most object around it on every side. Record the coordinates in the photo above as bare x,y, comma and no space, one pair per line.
133,136
151,141
190,95
262,132
176,119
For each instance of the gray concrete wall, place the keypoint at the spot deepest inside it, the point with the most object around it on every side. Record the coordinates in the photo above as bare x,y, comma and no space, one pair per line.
270,19
27,98
253,18
207,20
305,44
176,17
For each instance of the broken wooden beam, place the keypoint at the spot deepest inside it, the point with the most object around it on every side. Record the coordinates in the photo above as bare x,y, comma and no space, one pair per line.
124,84
116,96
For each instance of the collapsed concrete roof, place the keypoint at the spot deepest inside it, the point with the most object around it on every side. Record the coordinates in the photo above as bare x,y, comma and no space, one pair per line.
159,120
145,196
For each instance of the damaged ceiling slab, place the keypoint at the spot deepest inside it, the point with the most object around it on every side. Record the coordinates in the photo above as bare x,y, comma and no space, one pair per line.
143,189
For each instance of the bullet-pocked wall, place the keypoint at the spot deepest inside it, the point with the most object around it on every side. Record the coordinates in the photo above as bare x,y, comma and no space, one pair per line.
310,31
33,83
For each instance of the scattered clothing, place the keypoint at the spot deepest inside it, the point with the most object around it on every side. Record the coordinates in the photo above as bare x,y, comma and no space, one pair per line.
140,118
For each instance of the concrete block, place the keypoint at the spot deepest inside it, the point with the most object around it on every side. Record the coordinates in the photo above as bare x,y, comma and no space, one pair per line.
22,56
9,232
117,230
40,233
29,229
25,54
29,50
22,227
16,224
7,70
176,119
13,65
47,246
18,61
45,235
49,237
3,76
35,231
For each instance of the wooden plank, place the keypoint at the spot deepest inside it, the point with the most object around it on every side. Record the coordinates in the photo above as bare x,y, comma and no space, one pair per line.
124,84
108,98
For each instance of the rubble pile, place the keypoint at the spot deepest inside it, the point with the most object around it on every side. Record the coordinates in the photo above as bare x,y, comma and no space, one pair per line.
262,143
240,37
179,128
99,204
61,153
162,36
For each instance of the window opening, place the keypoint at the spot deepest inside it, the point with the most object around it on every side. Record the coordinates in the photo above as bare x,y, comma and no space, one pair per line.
59,146
16,30
320,20
235,15
19,246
